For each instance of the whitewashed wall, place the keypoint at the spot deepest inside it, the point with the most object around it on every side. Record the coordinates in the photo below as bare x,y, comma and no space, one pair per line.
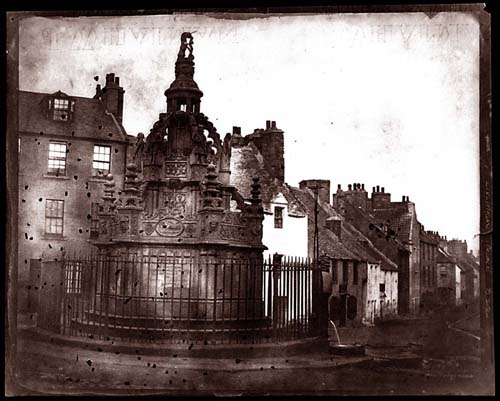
458,286
291,240
374,302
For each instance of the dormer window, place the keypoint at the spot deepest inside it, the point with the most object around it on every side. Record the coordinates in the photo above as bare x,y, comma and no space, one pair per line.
61,107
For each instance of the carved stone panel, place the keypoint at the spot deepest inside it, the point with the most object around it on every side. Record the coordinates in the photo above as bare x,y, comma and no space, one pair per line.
175,168
149,228
169,227
174,203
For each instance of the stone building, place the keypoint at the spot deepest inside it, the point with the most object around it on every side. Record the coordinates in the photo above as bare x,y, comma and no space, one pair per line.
360,273
285,220
393,228
429,244
67,145
364,280
449,279
469,267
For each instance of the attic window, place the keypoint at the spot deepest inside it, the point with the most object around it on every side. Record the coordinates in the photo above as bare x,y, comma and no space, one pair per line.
62,109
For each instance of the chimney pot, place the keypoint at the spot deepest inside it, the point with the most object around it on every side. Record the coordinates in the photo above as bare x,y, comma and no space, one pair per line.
349,187
236,130
383,189
273,124
117,81
363,187
339,186
373,189
378,188
268,124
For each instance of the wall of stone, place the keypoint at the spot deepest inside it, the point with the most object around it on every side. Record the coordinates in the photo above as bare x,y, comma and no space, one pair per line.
77,189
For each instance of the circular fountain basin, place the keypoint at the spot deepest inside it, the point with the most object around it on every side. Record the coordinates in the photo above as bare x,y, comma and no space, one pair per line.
348,349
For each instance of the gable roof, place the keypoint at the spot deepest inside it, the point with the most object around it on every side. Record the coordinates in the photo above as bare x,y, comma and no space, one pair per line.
402,218
444,257
352,244
90,118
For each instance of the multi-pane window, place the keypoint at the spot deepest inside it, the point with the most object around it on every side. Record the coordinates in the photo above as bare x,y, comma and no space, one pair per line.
381,287
101,161
54,217
62,109
57,158
94,220
278,217
73,277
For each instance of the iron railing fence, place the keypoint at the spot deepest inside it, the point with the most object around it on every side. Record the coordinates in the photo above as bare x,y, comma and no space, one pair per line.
179,298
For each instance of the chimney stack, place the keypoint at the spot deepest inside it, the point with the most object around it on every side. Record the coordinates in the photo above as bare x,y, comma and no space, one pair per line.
236,130
112,96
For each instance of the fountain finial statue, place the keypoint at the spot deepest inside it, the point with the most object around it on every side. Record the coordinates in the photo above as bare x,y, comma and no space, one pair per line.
186,44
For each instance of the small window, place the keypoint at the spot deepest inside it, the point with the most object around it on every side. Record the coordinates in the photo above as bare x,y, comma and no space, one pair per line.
54,216
355,273
382,287
278,217
101,161
57,158
73,277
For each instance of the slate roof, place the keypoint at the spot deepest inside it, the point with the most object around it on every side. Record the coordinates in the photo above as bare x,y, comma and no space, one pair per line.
352,245
360,217
424,237
467,263
401,220
444,257
90,118
247,162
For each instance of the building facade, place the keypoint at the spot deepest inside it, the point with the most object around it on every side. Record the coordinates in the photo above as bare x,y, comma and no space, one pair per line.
429,245
394,230
67,146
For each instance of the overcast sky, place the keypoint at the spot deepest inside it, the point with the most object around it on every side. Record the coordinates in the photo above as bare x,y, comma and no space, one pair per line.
379,99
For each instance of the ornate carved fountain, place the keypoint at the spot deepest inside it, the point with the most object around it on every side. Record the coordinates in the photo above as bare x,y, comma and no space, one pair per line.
178,212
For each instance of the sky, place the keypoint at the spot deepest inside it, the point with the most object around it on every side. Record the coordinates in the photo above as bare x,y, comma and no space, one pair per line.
379,99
